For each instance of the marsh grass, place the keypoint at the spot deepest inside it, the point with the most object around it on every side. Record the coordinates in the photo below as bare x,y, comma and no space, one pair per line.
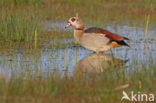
35,39
147,19
17,25
19,19
101,12
21,24
20,2
86,88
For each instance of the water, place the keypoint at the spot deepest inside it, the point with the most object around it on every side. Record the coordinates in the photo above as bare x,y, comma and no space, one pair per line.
71,59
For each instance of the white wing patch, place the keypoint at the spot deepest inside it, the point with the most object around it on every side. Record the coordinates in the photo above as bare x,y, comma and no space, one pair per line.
102,35
97,34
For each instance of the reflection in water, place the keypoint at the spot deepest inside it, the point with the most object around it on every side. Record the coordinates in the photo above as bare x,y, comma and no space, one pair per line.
97,63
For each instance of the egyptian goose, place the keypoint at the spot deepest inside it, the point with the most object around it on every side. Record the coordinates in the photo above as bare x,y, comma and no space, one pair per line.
98,63
95,39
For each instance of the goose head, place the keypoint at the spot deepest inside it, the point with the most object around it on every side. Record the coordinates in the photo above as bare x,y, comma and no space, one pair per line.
76,22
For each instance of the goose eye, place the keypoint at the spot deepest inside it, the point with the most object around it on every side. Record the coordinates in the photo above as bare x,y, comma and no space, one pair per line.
73,19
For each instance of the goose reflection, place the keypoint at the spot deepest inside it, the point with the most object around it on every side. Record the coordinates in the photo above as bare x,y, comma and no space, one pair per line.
97,63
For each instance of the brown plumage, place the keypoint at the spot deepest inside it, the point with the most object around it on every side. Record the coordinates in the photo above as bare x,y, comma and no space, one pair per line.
105,32
115,40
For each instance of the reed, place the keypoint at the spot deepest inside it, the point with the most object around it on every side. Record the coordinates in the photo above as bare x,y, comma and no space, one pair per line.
76,56
77,15
147,19
35,39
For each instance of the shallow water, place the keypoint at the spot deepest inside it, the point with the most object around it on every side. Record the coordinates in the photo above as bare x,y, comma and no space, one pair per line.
73,58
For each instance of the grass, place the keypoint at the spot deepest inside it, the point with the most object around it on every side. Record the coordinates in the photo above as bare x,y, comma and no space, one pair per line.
21,28
20,2
146,29
35,39
19,19
18,25
52,87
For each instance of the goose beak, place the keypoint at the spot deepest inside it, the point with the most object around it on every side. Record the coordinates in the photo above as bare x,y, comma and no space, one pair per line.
68,25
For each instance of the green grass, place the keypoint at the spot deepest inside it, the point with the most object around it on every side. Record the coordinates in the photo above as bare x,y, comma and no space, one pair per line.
20,2
18,25
21,24
53,88
19,18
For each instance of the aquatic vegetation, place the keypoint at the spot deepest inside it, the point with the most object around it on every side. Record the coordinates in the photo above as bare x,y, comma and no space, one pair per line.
19,19
53,88
17,25
146,29
40,64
